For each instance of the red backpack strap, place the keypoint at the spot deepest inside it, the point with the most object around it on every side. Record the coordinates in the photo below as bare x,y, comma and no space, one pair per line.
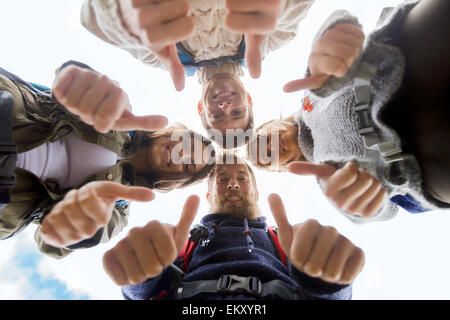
274,236
186,253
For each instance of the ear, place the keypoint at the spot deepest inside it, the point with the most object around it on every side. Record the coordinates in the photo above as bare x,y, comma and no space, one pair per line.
208,196
249,100
200,107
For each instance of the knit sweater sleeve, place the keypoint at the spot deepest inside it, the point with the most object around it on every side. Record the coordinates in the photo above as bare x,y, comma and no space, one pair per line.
316,289
293,12
103,19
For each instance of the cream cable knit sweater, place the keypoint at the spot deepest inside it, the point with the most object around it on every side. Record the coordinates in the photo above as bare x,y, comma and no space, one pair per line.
211,39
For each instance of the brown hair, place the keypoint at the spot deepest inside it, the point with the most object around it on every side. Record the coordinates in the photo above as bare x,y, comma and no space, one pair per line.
236,159
169,182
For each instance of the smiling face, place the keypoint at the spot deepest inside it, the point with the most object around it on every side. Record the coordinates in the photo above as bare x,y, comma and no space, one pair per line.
225,104
167,157
232,190
280,136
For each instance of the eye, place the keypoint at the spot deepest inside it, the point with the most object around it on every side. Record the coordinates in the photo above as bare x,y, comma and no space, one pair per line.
236,113
216,116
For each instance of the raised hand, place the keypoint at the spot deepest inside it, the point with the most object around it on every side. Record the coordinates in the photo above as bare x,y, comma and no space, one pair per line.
318,251
349,188
83,212
333,54
160,24
99,101
147,250
255,19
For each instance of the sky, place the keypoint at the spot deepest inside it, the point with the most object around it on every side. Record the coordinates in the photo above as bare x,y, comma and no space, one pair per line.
406,257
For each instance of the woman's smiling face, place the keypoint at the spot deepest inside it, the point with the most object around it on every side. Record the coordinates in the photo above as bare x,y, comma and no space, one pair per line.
167,157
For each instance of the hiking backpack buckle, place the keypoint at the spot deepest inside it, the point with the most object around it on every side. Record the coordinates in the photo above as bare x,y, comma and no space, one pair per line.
232,284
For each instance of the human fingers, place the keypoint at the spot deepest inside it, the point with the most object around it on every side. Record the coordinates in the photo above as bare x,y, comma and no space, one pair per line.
358,205
375,204
321,170
159,37
251,6
351,29
304,238
253,55
353,266
116,190
73,211
71,91
93,98
284,227
323,245
154,246
125,256
337,260
113,268
251,23
340,180
169,57
310,83
129,121
57,231
187,217
355,193
158,13
94,207
110,109
321,64
333,47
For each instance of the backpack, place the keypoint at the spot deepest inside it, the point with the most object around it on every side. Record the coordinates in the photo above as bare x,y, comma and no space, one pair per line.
196,235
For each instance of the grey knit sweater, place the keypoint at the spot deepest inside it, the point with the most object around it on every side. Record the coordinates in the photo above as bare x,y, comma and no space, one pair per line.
330,132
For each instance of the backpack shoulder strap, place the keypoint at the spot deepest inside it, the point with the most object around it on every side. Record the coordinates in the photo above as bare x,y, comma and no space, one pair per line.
186,253
274,237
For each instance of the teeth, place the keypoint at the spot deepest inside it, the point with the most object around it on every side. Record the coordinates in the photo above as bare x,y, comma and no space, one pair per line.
234,198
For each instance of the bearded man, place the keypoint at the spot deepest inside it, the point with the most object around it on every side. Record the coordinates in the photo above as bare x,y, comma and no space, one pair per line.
232,254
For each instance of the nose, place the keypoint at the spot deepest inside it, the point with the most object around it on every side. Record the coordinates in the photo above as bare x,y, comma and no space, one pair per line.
224,105
233,184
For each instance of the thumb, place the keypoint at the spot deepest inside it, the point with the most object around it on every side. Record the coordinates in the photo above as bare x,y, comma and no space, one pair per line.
253,55
321,171
311,83
129,121
284,227
114,190
169,57
187,217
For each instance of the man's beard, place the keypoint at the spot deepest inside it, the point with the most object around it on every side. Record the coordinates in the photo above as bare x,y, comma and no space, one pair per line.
246,208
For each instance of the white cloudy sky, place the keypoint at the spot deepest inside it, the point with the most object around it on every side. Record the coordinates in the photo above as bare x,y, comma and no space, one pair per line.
407,257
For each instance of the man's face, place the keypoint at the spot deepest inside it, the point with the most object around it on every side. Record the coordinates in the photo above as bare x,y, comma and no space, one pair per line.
225,103
233,192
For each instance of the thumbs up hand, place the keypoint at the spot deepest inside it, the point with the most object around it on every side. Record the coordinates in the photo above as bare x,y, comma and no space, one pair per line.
349,188
147,250
255,19
333,54
99,101
318,251
84,211
160,24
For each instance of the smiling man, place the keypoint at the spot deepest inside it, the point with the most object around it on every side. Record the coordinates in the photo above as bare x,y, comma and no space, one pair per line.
232,254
